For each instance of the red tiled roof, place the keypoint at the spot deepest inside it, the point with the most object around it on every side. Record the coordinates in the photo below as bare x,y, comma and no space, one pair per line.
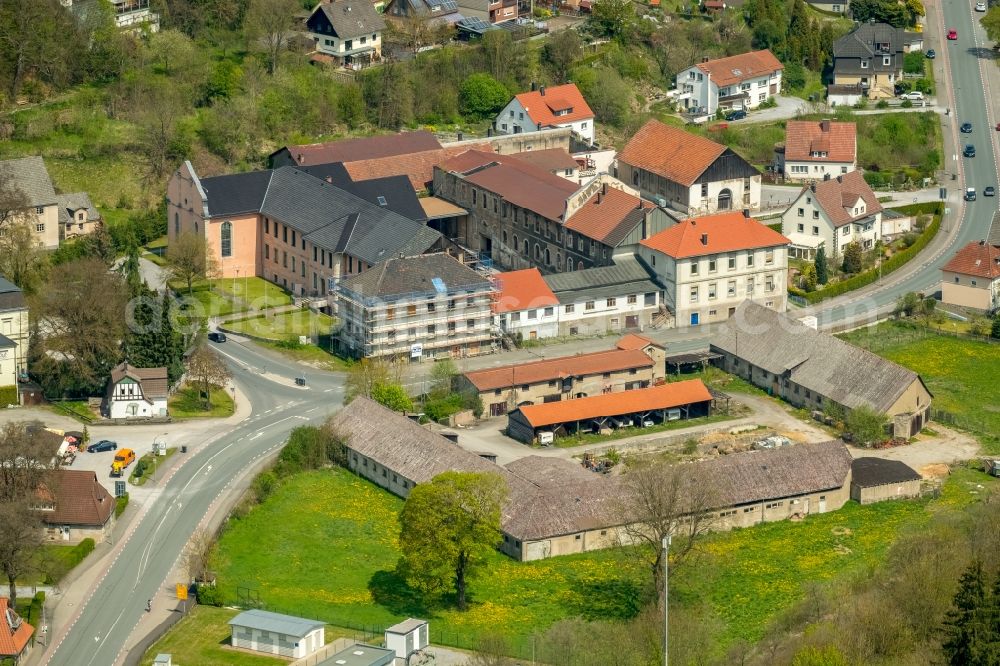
581,365
670,152
12,640
79,499
978,258
515,180
636,341
608,216
804,137
837,197
712,234
523,290
418,166
542,108
664,396
737,68
365,148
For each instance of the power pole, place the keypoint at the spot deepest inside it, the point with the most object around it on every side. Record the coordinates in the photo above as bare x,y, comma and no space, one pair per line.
666,600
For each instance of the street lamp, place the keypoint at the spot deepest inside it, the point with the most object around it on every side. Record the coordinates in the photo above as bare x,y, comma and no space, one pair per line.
666,601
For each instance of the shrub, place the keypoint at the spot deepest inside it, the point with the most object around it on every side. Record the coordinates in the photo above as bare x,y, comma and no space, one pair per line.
264,484
907,104
82,549
8,396
120,504
482,96
882,104
207,595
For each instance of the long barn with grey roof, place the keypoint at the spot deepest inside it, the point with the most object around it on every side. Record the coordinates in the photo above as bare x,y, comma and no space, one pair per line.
809,368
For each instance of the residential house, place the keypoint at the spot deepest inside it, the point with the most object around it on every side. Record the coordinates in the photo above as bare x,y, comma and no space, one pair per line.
523,216
132,16
687,172
636,363
544,107
136,392
810,369
626,296
349,32
436,13
593,414
877,479
15,633
290,228
13,334
273,633
350,150
416,308
482,15
814,150
525,307
739,82
871,56
712,264
75,506
833,212
971,278
50,215
831,6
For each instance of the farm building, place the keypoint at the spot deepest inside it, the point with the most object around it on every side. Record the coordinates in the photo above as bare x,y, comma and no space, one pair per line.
273,633
667,402
809,368
877,479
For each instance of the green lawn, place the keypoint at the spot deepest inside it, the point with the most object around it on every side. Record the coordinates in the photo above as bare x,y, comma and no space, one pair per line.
258,292
149,467
285,325
186,403
204,302
225,296
961,374
53,562
203,638
313,355
78,409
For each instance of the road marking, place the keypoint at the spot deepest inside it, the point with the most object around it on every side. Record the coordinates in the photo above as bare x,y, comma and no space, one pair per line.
256,436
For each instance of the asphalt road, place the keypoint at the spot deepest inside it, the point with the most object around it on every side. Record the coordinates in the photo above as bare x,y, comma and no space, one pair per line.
145,560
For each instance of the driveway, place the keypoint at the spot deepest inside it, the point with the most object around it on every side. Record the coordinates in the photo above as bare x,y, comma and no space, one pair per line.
788,107
154,276
947,447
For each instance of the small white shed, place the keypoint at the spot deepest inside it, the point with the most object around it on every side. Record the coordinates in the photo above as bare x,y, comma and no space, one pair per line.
163,659
407,637
273,633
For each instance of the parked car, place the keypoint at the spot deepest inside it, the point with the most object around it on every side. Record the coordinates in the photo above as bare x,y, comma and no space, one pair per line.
216,336
980,6
931,54
989,191
970,194
969,151
648,423
914,94
998,127
952,34
103,445
736,115
966,128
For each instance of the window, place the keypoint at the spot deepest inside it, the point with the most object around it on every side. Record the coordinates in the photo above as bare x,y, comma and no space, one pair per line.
431,307
801,227
750,259
532,314
431,329
769,283
177,224
704,190
589,305
293,263
632,299
694,294
293,237
39,228
515,316
694,268
227,239
470,324
548,312
731,288
801,212
815,231
451,328
846,231
39,210
732,262
712,265
712,291
769,257
815,214
267,251
284,233
612,302
956,279
973,283
864,64
570,308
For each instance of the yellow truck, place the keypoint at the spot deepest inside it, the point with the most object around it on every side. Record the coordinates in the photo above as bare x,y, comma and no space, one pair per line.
123,458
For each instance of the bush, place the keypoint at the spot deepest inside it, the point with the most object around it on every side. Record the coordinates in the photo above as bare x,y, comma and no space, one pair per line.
913,63
264,484
207,595
120,504
907,104
8,396
882,104
82,549
308,447
482,96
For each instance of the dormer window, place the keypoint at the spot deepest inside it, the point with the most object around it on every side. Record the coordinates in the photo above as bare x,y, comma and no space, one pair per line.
864,64
886,60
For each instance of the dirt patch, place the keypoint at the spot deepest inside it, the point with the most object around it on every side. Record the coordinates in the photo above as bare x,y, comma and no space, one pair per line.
934,471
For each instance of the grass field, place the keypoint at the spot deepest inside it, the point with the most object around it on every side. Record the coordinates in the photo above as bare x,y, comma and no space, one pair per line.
316,356
284,325
960,373
203,638
186,403
52,563
225,296
258,292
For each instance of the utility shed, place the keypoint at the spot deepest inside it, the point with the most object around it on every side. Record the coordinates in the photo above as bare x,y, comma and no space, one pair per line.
877,479
273,633
407,637
360,654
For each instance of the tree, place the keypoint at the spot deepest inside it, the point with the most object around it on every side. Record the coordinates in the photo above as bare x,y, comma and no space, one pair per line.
866,425
825,656
979,325
612,17
443,375
809,277
822,272
608,95
190,260
561,52
130,271
270,22
794,77
392,396
991,23
482,96
907,304
207,369
447,528
967,627
368,373
995,329
158,110
852,257
882,11
39,40
659,500
22,257
152,340
498,49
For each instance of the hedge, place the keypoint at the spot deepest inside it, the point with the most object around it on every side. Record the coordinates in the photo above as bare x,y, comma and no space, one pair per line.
896,261
8,396
120,504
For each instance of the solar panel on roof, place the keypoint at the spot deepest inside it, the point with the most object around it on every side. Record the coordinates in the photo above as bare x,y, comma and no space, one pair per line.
474,24
439,285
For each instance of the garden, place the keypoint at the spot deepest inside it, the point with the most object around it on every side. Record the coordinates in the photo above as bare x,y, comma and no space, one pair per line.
187,402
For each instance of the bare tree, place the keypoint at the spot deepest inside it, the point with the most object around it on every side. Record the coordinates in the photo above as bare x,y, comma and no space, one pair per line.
23,260
12,198
190,260
660,500
196,554
270,22
207,369
491,650
158,115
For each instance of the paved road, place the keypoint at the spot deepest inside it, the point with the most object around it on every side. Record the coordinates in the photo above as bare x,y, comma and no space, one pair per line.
146,556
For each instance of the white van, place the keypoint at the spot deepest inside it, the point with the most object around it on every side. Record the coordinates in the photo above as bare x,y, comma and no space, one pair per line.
546,438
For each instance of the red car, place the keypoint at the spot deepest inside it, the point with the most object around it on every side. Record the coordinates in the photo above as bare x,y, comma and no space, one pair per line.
952,34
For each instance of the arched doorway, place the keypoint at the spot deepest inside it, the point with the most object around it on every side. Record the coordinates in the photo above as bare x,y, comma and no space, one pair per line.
725,199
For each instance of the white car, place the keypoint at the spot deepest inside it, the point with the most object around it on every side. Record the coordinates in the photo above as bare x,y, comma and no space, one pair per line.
980,6
916,94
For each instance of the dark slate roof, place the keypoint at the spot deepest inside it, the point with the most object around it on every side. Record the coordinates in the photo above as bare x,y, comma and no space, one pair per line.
870,472
11,296
396,191
352,18
31,177
848,375
860,43
400,276
70,203
627,276
236,193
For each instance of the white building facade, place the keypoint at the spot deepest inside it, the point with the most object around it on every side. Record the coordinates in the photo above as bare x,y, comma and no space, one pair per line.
740,82
546,108
833,213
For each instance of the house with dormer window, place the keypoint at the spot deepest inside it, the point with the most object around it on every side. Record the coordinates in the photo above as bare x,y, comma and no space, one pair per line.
739,82
833,213
347,31
135,393
546,107
815,149
870,58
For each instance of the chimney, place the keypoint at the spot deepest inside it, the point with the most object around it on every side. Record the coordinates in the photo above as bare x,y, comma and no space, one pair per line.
600,197
826,176
541,91
534,86
705,59
840,179
638,205
813,187
329,179
489,131
704,239
604,188
824,125
460,136
746,213
300,158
